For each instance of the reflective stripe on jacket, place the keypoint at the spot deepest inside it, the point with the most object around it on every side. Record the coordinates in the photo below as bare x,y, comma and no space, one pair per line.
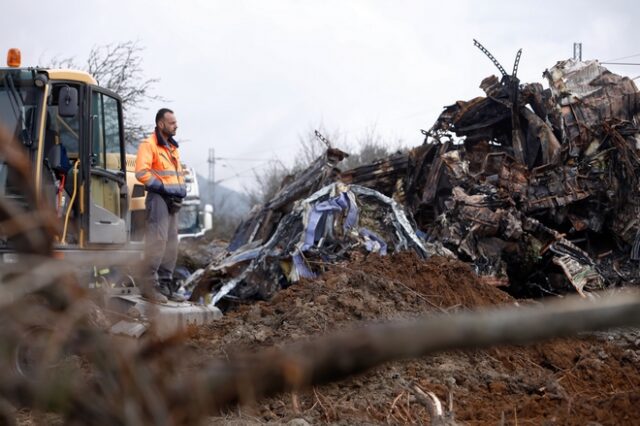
158,166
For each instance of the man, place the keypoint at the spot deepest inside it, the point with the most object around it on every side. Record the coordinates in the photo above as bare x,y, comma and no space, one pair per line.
158,167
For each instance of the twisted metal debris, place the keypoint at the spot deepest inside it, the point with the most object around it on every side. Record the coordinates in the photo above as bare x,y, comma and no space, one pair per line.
537,188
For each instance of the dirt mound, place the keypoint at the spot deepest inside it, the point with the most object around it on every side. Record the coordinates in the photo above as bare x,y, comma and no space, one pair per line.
375,289
561,382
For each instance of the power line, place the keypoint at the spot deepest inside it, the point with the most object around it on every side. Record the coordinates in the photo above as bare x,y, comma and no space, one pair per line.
623,57
238,175
216,159
620,63
241,159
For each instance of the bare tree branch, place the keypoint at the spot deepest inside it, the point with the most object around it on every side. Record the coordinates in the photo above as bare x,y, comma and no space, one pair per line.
119,68
369,146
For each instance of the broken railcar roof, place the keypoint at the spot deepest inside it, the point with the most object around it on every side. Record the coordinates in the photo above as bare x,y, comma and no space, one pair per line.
321,229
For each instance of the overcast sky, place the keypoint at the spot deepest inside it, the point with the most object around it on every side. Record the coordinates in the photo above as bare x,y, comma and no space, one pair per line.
249,77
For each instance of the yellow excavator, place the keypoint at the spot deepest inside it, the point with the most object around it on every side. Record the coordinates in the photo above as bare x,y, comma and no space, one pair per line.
72,130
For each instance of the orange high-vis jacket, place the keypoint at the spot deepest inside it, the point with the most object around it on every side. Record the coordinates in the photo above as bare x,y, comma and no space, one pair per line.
158,166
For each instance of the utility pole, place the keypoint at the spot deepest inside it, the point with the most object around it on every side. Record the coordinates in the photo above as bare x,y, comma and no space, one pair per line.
212,165
577,51
212,170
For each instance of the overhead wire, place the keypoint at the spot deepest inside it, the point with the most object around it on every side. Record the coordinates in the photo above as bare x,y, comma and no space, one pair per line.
240,159
620,63
245,171
237,175
622,57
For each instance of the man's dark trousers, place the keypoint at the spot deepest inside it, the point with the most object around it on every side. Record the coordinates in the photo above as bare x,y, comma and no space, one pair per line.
161,241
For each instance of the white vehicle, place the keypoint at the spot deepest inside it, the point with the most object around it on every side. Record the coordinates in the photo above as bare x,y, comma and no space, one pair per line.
193,219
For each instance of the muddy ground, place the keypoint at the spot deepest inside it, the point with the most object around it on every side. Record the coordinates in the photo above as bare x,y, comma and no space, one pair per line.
594,379
591,380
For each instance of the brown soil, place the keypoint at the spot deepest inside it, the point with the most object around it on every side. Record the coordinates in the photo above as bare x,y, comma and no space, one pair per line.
595,378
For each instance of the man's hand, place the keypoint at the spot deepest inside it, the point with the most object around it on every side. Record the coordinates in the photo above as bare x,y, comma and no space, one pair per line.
173,204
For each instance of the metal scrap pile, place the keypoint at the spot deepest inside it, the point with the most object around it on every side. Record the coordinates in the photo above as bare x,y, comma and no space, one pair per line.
543,190
537,188
336,223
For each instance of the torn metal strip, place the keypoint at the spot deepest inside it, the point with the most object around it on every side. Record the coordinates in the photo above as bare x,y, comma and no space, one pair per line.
374,242
300,267
398,212
227,287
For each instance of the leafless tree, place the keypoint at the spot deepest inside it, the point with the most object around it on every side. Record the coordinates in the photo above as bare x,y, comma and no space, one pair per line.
369,146
119,68
311,147
224,223
267,182
269,179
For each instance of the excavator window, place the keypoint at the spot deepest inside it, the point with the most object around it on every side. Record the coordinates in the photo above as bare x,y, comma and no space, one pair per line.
67,129
111,133
106,133
107,223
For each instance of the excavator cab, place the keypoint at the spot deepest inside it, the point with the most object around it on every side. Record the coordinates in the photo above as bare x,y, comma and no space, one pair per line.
73,131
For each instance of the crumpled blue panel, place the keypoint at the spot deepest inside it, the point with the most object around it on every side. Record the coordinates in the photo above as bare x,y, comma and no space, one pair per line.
423,235
352,214
338,203
373,237
301,266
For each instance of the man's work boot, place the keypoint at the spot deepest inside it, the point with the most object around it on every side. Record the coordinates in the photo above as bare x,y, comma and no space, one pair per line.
166,292
177,297
154,295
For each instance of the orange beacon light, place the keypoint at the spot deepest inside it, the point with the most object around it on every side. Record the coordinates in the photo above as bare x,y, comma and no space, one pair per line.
13,58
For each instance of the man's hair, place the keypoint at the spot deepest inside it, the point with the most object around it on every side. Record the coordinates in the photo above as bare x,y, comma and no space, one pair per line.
160,114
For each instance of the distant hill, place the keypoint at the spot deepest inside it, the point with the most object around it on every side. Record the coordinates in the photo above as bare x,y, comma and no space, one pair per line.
225,201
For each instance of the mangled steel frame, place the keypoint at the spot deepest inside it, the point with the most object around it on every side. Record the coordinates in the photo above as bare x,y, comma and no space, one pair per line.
576,173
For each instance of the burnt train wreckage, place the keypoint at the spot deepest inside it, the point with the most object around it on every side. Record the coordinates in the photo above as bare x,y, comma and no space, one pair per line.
537,188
